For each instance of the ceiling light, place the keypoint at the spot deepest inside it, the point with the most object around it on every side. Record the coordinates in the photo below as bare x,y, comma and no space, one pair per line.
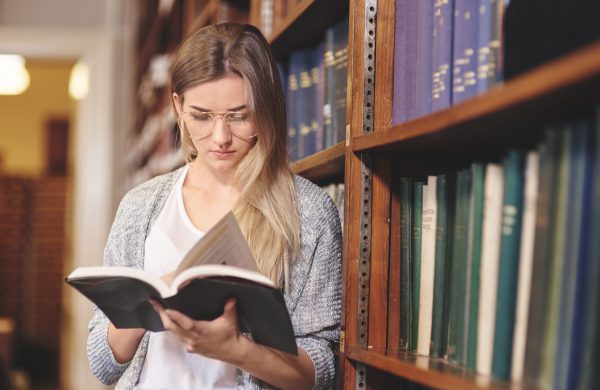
79,81
14,77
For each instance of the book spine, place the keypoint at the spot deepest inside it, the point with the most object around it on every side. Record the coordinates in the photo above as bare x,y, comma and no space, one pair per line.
319,84
490,255
341,78
459,283
475,238
588,374
405,53
423,58
429,223
573,241
441,58
464,78
556,262
417,219
525,265
304,104
489,61
329,63
544,227
405,261
292,98
512,210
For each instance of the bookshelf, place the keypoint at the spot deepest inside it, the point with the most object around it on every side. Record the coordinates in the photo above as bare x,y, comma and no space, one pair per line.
507,116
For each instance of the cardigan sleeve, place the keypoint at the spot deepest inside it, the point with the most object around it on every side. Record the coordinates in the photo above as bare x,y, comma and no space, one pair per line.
316,315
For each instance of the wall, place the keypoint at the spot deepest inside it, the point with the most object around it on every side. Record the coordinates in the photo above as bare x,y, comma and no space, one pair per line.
22,117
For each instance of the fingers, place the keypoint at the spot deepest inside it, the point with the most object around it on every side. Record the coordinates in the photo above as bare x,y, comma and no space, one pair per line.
180,319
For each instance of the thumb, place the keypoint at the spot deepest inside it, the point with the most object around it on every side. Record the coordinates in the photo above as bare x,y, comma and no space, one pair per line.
229,309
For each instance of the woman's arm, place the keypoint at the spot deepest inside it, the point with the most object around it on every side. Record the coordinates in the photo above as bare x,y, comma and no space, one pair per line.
220,339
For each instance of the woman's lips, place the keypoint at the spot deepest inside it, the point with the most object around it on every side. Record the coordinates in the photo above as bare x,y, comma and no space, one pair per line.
222,153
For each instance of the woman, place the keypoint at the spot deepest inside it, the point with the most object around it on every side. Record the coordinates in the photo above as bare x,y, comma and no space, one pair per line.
229,102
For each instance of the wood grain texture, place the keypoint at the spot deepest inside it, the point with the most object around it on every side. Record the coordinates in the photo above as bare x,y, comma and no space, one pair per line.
326,166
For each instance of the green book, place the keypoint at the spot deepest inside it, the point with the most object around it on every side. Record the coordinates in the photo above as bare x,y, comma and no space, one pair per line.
549,152
556,264
443,250
509,263
474,248
405,261
417,218
456,347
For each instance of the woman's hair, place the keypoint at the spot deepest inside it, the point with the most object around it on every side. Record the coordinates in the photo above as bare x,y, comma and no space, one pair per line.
267,209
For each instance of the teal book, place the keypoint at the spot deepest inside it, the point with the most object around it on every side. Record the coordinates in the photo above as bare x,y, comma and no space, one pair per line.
456,347
573,242
443,258
474,248
417,219
405,261
549,152
509,263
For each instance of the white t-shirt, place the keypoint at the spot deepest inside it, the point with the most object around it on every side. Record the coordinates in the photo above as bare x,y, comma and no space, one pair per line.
168,365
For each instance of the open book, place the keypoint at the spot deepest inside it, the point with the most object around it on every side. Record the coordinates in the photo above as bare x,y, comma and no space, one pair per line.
219,266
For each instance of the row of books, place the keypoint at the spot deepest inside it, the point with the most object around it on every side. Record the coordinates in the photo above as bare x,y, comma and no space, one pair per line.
500,262
315,83
445,51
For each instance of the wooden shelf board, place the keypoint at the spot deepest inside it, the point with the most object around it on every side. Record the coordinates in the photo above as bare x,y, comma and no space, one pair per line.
323,166
506,110
292,33
434,373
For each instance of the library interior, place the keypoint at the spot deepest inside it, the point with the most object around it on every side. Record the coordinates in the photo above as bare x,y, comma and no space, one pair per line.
459,141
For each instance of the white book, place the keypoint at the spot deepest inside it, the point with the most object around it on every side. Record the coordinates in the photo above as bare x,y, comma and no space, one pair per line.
429,224
490,256
525,265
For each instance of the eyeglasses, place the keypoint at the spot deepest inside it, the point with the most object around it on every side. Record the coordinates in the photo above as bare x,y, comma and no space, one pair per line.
202,123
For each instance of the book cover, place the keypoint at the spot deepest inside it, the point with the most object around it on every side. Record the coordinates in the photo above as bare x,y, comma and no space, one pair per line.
329,121
459,281
474,251
508,268
211,273
490,256
340,53
405,260
489,51
428,229
441,57
417,219
525,264
318,76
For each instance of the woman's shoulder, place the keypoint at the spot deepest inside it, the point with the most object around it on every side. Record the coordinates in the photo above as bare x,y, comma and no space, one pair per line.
152,189
313,201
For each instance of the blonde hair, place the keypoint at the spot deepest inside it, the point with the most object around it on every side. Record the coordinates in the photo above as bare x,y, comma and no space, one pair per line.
267,209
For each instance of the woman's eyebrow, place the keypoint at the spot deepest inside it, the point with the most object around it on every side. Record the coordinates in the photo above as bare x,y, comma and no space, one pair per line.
237,108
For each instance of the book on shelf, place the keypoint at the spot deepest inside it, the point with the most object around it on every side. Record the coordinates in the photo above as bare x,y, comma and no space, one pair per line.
415,268
441,56
218,267
406,207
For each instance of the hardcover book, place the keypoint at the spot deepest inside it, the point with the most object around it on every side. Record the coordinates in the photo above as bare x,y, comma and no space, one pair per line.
218,267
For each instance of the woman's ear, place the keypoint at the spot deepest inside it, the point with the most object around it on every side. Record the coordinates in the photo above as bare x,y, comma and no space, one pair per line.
177,104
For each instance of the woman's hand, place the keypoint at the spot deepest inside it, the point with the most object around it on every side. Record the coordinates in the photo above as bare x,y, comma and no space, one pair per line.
216,339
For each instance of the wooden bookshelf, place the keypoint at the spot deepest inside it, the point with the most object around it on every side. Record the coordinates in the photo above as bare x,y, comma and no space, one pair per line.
542,95
305,25
324,166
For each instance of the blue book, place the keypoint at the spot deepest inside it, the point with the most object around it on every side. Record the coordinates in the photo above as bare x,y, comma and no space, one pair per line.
340,45
405,54
291,98
573,241
319,84
329,121
584,366
304,106
424,57
464,67
441,57
489,48
509,263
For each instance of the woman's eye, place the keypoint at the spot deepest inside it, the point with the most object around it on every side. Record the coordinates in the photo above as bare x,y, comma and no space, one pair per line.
202,117
237,117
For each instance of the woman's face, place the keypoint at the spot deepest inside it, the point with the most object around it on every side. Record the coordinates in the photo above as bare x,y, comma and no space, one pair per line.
221,142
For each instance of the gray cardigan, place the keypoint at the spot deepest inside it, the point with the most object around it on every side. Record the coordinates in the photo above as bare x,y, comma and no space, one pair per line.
313,299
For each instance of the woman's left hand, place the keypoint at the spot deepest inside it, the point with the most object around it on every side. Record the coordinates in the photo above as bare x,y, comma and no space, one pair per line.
217,339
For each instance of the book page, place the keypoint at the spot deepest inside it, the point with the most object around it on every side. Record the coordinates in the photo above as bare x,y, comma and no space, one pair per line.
223,244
